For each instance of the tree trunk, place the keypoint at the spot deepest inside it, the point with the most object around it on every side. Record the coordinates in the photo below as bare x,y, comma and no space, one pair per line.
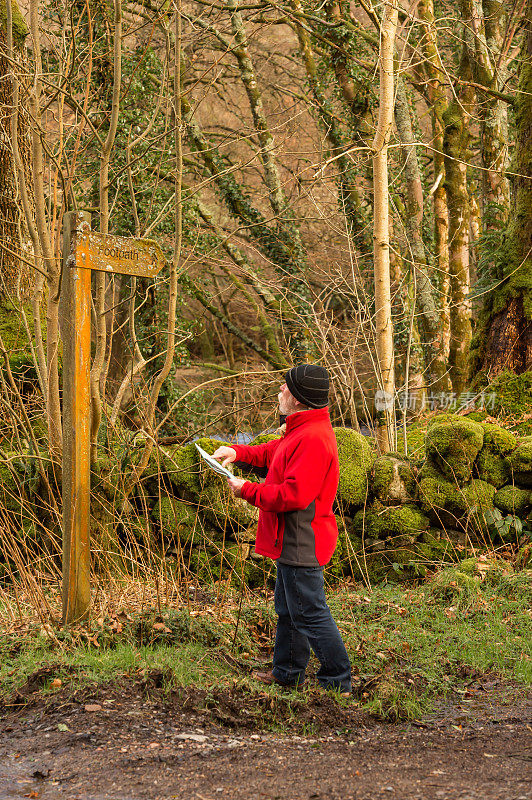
507,323
437,97
429,320
456,137
381,232
489,69
43,234
14,237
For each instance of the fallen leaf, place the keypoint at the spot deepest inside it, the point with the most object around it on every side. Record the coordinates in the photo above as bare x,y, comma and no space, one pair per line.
62,727
90,707
56,683
160,626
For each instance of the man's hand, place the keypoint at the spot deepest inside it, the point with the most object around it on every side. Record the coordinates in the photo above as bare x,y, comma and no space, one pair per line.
227,453
235,484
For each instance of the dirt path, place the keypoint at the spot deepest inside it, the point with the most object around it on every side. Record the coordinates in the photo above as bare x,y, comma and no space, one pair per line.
131,742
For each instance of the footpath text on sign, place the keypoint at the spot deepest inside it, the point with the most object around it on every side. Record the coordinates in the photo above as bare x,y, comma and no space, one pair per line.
104,253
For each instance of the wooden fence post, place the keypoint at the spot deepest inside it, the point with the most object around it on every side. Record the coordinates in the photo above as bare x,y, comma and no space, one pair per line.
75,318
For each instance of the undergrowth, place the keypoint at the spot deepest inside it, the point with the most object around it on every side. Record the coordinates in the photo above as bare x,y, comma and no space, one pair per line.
408,646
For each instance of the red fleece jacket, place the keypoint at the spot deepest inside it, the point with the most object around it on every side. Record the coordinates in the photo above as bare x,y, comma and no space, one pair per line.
302,477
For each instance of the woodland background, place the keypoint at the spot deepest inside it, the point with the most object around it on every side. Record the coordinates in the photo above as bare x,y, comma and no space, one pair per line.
341,182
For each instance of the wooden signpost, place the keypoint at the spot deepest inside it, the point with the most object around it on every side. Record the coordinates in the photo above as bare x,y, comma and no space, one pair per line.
83,251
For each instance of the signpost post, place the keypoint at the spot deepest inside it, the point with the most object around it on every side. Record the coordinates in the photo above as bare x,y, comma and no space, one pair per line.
85,250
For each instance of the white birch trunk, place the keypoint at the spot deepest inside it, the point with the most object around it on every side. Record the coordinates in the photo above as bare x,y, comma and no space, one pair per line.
381,230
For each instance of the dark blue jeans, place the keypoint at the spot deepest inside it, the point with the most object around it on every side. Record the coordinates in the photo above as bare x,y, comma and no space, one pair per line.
305,622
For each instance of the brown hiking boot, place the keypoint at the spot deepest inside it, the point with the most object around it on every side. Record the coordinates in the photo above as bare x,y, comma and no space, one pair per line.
268,678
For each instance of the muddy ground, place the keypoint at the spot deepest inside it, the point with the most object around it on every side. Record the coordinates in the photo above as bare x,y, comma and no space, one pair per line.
132,740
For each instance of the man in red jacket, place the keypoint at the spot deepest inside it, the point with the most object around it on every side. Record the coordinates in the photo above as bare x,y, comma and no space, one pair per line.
297,528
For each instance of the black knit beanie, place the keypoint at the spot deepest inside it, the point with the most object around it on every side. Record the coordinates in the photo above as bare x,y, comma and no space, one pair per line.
309,383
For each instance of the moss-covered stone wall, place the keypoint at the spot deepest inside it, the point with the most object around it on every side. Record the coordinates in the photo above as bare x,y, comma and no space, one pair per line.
467,488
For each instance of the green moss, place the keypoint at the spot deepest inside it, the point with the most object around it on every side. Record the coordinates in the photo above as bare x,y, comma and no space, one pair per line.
415,442
382,476
182,465
356,458
476,497
12,327
393,479
20,29
435,493
263,438
520,462
453,443
219,506
195,481
390,522
429,470
498,440
177,520
492,464
238,567
39,427
477,416
232,563
493,469
259,573
513,398
215,499
435,546
513,500
447,504
204,564
347,544
106,552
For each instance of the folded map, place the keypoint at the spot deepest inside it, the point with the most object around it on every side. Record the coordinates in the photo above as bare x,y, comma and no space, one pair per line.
213,464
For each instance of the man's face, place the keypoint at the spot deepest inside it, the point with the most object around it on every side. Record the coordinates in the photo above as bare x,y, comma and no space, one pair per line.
287,402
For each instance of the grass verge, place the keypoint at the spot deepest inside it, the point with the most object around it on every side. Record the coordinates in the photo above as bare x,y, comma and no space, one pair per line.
408,646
